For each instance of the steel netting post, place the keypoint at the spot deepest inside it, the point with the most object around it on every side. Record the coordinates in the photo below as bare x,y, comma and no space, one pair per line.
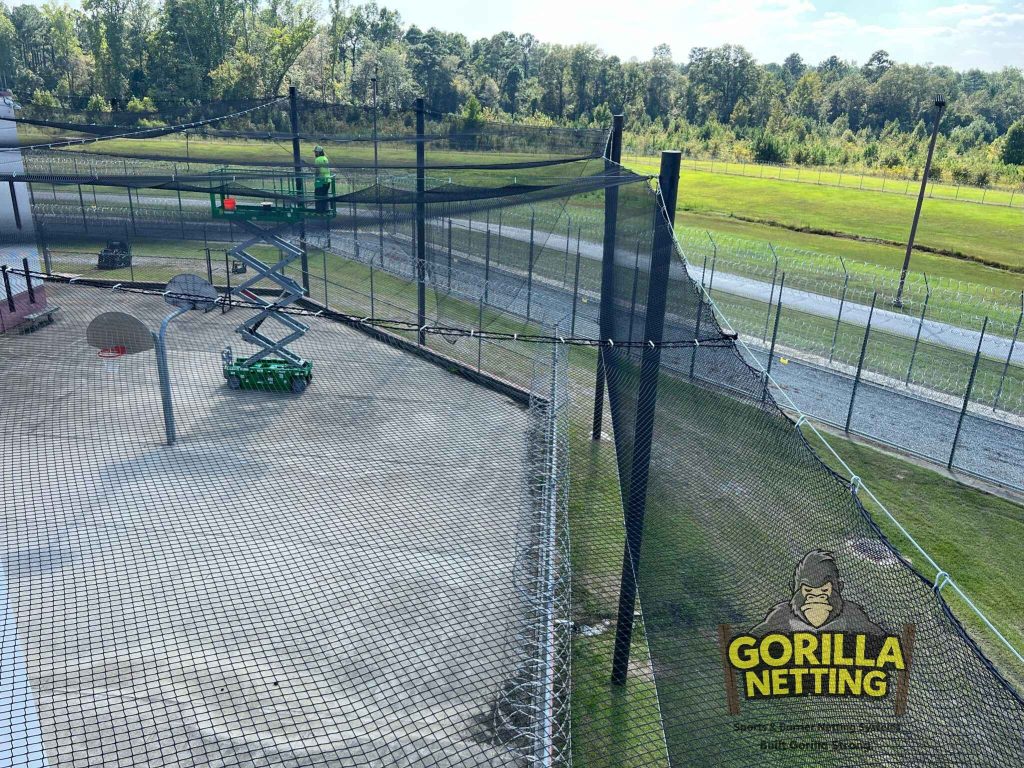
323,254
606,319
967,394
1009,355
647,395
421,226
771,293
487,262
696,332
81,204
209,266
775,330
839,317
449,253
575,291
714,260
860,363
44,249
920,325
7,288
28,281
529,264
293,116
227,281
479,334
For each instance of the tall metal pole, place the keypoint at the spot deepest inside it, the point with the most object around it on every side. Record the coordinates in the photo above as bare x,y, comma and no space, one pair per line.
1009,355
421,226
940,105
967,394
376,170
293,114
529,266
860,363
647,395
606,309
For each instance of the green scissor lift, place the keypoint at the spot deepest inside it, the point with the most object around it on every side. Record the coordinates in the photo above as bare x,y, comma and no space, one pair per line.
273,366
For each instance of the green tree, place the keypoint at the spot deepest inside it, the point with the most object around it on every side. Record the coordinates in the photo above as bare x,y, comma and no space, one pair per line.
1013,144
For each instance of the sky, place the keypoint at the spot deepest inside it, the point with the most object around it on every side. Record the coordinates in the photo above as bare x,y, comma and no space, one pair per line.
987,35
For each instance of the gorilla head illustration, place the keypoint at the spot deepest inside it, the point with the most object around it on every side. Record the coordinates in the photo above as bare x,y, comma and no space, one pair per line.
817,603
817,588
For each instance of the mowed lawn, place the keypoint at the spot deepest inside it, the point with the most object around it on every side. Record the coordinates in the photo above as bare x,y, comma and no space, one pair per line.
973,535
986,233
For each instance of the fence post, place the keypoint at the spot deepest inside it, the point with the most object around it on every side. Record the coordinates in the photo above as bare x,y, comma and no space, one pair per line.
487,263
647,396
81,203
696,331
568,238
449,253
28,281
373,308
575,289
775,332
839,317
7,287
227,281
45,249
606,318
421,226
323,254
1009,355
209,266
771,293
967,394
714,260
860,363
479,334
920,325
529,266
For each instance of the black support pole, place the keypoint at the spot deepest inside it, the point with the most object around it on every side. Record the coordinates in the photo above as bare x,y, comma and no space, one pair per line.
967,395
293,114
7,288
606,313
940,106
647,395
28,281
421,227
860,362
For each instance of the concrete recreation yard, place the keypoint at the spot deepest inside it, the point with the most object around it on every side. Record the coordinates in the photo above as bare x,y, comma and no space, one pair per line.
313,580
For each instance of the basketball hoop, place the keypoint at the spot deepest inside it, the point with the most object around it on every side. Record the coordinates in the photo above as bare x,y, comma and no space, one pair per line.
111,353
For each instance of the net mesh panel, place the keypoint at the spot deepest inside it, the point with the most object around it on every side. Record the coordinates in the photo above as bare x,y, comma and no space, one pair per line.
375,588
512,243
735,500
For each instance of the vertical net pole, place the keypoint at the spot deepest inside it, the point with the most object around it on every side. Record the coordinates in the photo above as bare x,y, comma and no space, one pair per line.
860,362
293,114
647,395
606,314
967,395
421,227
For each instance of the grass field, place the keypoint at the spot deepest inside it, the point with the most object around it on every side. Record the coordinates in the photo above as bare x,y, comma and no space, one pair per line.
938,511
987,234
876,181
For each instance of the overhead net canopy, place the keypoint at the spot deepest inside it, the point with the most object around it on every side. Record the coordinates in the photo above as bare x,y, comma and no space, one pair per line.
742,524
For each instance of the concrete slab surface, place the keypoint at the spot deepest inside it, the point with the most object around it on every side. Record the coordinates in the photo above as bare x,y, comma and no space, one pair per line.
314,580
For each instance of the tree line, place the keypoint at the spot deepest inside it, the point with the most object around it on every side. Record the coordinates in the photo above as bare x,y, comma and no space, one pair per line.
144,55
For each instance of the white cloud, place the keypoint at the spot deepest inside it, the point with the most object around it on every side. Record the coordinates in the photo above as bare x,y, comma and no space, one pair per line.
962,9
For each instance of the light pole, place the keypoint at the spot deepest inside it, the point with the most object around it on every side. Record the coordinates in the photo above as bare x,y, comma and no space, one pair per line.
940,106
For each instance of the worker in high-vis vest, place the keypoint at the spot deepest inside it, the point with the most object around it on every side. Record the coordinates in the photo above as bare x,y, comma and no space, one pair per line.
322,183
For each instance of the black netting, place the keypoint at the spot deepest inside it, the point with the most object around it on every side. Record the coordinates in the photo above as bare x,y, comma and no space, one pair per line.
374,568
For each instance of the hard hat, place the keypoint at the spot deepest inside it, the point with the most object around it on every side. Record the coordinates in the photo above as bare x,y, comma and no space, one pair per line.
318,149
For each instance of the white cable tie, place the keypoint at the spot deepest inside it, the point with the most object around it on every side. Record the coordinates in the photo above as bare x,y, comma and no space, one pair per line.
423,328
115,287
364,320
696,342
515,337
651,342
562,339
611,342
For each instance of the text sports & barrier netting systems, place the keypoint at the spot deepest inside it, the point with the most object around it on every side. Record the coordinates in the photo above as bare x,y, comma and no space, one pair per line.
324,512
